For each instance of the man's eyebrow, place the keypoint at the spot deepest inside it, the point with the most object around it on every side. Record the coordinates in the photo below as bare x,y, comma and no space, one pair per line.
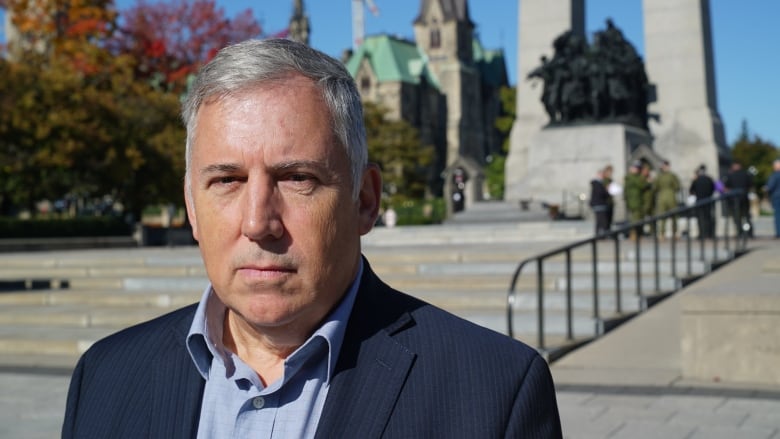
300,164
219,168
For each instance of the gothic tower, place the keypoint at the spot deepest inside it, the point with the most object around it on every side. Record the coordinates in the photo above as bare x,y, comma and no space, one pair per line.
445,32
299,24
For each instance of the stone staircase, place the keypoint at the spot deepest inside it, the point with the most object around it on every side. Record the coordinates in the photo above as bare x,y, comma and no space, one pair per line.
53,305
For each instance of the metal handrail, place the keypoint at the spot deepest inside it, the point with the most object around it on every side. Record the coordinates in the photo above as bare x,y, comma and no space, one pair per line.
726,201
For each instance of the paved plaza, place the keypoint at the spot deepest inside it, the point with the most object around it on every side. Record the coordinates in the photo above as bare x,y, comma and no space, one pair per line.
627,384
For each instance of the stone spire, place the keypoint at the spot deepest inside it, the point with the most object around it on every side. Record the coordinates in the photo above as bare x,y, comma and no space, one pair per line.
299,24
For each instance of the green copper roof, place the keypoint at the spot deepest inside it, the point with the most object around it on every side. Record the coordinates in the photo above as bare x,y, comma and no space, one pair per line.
392,59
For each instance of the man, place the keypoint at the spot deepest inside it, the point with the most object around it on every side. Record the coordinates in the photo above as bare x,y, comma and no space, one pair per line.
296,336
635,186
702,187
741,180
666,186
773,189
601,200
648,198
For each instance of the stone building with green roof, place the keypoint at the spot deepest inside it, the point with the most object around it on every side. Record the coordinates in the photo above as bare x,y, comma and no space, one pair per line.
444,83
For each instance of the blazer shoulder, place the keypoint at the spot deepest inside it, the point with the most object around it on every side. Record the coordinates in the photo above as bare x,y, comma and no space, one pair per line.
138,382
421,326
163,331
444,327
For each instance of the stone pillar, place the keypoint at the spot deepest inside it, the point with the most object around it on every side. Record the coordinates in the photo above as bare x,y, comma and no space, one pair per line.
679,61
539,22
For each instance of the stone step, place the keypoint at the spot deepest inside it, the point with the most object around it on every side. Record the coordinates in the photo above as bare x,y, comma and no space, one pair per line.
432,235
627,283
79,316
87,271
95,298
167,278
584,300
42,340
453,278
26,266
59,343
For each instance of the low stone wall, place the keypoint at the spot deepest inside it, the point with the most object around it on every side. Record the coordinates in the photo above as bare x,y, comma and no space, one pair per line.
730,322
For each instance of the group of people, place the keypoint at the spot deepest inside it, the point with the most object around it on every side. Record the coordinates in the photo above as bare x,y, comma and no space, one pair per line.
646,195
643,193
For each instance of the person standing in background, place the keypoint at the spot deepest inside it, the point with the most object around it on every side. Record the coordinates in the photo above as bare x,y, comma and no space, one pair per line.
666,187
601,201
633,194
648,198
614,190
740,179
702,187
773,190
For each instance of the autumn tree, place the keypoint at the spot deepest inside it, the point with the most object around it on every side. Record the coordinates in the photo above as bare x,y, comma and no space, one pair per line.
62,30
395,145
75,121
61,134
171,39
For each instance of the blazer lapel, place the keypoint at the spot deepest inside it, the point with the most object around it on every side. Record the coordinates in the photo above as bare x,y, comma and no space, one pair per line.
178,387
372,366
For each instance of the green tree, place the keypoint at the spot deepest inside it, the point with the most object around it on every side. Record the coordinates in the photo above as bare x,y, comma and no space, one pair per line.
494,172
63,132
754,152
395,145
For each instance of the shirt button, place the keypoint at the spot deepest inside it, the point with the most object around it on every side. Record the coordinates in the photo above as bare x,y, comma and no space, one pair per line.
258,402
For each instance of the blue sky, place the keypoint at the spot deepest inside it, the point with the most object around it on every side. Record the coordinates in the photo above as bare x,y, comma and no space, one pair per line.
746,40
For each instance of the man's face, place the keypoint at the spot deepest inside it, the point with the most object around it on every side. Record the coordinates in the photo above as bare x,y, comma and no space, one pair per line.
271,205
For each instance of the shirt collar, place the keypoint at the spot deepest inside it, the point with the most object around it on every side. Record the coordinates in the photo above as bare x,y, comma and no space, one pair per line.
204,340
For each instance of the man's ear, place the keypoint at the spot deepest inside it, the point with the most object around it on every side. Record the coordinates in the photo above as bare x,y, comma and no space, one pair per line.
369,198
191,210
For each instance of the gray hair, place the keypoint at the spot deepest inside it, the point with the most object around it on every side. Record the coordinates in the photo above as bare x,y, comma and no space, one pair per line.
244,65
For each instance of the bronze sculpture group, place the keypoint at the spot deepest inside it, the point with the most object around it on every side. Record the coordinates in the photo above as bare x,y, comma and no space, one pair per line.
601,82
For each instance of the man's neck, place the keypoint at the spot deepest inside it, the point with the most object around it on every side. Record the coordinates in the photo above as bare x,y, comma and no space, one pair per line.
264,352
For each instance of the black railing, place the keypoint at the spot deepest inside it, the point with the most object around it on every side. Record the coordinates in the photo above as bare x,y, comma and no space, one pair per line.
731,212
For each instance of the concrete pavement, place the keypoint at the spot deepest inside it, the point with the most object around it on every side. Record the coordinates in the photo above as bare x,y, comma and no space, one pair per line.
627,384
630,383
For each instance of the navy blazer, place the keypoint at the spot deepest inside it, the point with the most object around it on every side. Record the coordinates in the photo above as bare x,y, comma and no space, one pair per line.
406,370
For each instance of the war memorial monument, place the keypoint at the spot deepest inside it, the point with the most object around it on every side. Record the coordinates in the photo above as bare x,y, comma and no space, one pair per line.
581,105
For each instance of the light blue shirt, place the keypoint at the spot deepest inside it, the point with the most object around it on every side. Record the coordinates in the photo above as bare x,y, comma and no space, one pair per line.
235,402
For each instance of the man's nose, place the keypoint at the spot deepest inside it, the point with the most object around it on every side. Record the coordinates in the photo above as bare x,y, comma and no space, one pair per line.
261,211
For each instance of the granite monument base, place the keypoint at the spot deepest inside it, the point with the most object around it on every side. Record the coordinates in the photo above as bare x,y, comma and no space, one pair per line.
563,160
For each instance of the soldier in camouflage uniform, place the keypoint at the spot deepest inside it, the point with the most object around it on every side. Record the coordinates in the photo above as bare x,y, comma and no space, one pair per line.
634,186
666,187
648,197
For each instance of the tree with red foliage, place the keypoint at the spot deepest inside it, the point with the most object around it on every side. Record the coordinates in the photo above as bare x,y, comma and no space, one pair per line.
170,39
68,30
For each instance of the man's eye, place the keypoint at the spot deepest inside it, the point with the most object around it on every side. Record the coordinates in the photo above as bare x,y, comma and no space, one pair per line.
223,181
299,177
